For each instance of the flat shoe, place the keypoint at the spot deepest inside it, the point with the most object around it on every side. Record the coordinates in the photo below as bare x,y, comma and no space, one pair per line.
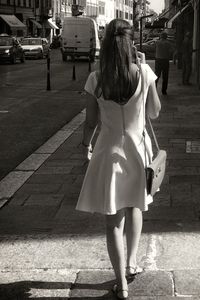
119,293
131,271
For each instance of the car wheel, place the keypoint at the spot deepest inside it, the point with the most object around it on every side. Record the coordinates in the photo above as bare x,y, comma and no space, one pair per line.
92,55
42,55
13,59
64,57
22,58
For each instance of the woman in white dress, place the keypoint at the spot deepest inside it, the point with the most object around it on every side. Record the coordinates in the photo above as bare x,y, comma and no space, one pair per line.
114,184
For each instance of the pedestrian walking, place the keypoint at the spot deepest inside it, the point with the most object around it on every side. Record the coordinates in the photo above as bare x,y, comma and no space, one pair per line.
115,182
187,59
162,57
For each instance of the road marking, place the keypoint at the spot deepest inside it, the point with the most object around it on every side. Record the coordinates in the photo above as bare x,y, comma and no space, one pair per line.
4,111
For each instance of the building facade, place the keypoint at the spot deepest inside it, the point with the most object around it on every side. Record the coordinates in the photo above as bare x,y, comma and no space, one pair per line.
101,11
15,16
184,16
45,17
26,17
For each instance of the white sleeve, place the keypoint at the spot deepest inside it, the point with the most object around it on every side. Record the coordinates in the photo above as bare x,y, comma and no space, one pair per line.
90,84
151,76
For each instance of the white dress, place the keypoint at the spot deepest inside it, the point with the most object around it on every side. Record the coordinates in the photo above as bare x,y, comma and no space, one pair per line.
115,177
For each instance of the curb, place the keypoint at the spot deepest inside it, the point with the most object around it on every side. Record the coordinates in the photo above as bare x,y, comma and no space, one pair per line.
15,179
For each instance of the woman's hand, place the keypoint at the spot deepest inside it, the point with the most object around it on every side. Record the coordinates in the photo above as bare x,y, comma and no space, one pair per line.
141,57
86,150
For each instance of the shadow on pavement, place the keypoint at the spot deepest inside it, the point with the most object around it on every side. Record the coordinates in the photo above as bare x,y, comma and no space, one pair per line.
35,290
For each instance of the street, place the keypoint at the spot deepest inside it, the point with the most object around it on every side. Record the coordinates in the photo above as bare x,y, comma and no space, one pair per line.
51,251
29,114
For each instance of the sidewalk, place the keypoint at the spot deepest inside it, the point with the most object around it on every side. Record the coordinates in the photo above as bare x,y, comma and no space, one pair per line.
51,251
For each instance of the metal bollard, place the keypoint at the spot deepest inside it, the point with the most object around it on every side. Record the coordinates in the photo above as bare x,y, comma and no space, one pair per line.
74,70
48,71
89,66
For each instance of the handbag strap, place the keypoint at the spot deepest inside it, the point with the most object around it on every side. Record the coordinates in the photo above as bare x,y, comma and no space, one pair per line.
150,124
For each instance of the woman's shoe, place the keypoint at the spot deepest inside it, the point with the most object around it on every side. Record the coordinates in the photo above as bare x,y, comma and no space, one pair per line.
120,293
131,271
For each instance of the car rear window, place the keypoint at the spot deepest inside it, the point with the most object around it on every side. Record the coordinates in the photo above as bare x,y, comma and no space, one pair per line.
31,42
5,41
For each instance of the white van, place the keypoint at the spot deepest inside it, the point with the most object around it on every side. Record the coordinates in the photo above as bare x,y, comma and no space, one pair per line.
79,37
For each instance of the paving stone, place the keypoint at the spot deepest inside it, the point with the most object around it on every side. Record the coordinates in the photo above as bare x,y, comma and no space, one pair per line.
178,250
18,200
12,182
38,188
33,162
45,200
181,193
179,179
99,284
171,213
90,284
36,283
54,142
55,170
3,202
187,282
65,163
26,219
170,226
175,170
48,178
152,283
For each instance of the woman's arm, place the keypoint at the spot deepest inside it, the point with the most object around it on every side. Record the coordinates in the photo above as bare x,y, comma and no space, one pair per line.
153,105
91,120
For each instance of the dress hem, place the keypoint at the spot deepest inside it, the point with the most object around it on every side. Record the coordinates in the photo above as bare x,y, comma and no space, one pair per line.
110,213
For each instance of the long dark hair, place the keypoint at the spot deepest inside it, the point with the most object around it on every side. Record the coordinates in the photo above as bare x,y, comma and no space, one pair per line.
115,80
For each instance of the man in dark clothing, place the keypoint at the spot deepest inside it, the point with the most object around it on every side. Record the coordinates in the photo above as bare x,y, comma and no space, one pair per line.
163,53
186,59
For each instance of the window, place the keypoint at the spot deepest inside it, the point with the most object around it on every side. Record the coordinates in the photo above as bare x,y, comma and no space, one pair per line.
19,2
117,13
101,8
8,2
24,3
37,3
126,15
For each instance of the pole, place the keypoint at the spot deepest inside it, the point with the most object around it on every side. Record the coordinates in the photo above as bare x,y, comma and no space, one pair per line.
141,29
134,16
89,66
48,71
74,67
141,24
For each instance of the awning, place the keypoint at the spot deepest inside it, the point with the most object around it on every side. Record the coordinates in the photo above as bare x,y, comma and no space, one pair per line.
13,22
50,24
38,25
164,13
169,23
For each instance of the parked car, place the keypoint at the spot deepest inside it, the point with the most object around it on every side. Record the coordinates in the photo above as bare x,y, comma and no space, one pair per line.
10,49
149,47
35,47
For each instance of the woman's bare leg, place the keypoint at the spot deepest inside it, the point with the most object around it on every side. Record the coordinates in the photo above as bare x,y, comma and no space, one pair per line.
133,233
115,244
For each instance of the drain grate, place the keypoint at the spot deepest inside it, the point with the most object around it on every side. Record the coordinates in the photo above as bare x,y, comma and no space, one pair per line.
193,146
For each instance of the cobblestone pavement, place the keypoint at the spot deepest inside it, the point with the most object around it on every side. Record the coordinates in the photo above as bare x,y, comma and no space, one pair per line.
50,251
